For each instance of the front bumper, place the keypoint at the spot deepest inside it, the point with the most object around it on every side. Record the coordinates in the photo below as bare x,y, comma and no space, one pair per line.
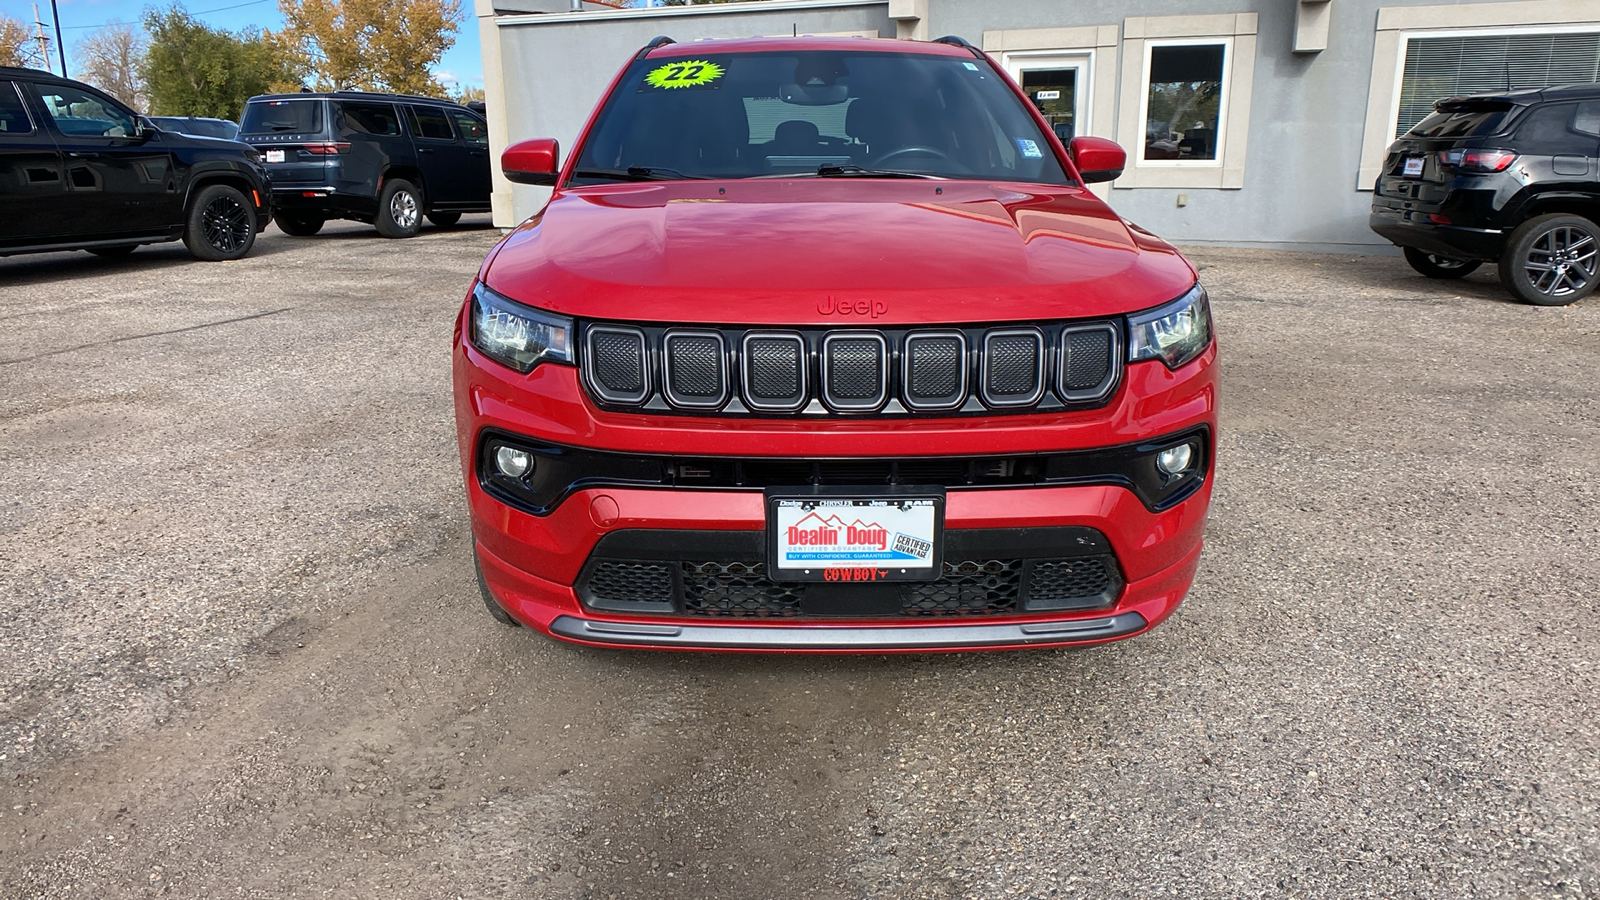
847,638
534,560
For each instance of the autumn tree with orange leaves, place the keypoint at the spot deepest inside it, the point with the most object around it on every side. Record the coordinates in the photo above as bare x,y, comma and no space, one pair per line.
370,45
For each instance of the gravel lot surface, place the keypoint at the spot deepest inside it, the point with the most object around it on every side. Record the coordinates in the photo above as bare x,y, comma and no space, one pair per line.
242,654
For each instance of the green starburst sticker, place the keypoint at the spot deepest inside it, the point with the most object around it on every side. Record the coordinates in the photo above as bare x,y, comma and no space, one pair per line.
685,73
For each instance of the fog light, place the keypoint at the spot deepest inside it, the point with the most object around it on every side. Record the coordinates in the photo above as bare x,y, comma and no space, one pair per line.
513,463
1171,461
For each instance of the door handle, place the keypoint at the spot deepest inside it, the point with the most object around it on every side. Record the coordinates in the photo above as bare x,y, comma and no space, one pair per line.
82,154
425,149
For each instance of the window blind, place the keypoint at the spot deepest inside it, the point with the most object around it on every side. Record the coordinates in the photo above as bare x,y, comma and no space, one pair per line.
1440,67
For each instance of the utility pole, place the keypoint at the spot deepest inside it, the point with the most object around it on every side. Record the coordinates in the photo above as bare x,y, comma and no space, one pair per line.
61,46
43,53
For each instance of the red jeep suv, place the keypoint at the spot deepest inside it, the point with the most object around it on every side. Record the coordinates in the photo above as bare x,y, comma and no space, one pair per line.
823,345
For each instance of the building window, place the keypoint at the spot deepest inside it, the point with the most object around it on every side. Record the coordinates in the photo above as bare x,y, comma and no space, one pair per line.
1456,65
1185,86
1185,100
1422,54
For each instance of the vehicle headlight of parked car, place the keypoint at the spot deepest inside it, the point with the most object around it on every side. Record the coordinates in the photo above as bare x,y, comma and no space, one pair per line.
1175,333
518,336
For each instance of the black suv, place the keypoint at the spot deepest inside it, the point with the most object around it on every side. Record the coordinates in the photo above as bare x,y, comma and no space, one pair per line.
1505,177
386,159
78,170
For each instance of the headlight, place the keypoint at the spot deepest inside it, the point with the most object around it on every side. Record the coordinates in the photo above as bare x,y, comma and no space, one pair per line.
518,336
1174,333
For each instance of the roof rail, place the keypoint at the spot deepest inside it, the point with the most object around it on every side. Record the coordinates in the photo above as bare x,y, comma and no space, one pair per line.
958,41
659,40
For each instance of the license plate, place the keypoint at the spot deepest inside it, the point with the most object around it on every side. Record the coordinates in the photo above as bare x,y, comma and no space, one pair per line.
843,538
274,156
1412,167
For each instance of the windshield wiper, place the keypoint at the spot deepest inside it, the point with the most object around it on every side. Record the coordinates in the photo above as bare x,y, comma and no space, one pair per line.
850,170
637,173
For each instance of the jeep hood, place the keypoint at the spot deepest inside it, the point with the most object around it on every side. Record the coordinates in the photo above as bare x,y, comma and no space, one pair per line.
793,251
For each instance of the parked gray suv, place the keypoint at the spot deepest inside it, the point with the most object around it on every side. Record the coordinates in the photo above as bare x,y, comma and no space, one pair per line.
385,159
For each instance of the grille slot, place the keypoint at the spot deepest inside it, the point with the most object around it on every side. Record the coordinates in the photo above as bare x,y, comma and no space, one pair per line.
1088,365
1013,367
935,375
774,372
696,371
855,373
617,364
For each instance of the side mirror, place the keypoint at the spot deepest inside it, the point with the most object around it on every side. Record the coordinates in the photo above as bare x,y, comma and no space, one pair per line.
1097,159
532,162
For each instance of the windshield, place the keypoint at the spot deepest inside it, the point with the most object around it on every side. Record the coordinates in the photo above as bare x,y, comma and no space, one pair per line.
282,116
797,113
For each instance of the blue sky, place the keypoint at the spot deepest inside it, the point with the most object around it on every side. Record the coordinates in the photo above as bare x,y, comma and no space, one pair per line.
462,63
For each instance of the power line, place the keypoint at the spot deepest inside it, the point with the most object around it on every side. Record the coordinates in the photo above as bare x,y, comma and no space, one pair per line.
201,12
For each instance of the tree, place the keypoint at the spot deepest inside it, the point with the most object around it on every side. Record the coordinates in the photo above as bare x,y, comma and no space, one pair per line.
466,93
193,70
18,46
381,45
111,58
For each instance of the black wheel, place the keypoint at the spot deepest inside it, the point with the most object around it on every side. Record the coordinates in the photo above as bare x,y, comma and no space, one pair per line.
444,219
495,609
221,224
1552,260
399,209
114,252
299,226
1435,266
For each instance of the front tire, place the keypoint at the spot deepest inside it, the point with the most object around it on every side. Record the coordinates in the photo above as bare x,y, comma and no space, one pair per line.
1435,266
299,226
399,209
221,224
444,219
1552,260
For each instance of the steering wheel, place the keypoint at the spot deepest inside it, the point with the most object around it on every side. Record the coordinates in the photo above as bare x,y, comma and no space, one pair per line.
907,151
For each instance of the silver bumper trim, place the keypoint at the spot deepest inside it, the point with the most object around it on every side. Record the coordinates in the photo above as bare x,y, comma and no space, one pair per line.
845,637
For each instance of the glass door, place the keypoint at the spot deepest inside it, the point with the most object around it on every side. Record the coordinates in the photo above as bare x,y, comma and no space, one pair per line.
1058,84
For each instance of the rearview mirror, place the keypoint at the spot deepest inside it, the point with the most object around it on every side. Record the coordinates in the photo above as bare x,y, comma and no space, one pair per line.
532,162
1097,159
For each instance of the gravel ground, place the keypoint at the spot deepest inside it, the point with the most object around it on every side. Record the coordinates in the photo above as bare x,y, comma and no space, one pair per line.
241,652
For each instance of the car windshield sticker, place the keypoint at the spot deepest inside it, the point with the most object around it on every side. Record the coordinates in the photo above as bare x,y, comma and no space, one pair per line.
970,67
1029,148
685,73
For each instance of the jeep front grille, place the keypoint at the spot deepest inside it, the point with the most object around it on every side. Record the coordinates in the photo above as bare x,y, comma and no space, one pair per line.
817,372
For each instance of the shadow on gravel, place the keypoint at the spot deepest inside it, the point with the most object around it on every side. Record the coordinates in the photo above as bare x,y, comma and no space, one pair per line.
74,264
344,229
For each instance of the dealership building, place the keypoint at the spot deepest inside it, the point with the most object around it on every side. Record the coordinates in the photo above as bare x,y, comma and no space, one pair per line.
1247,122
